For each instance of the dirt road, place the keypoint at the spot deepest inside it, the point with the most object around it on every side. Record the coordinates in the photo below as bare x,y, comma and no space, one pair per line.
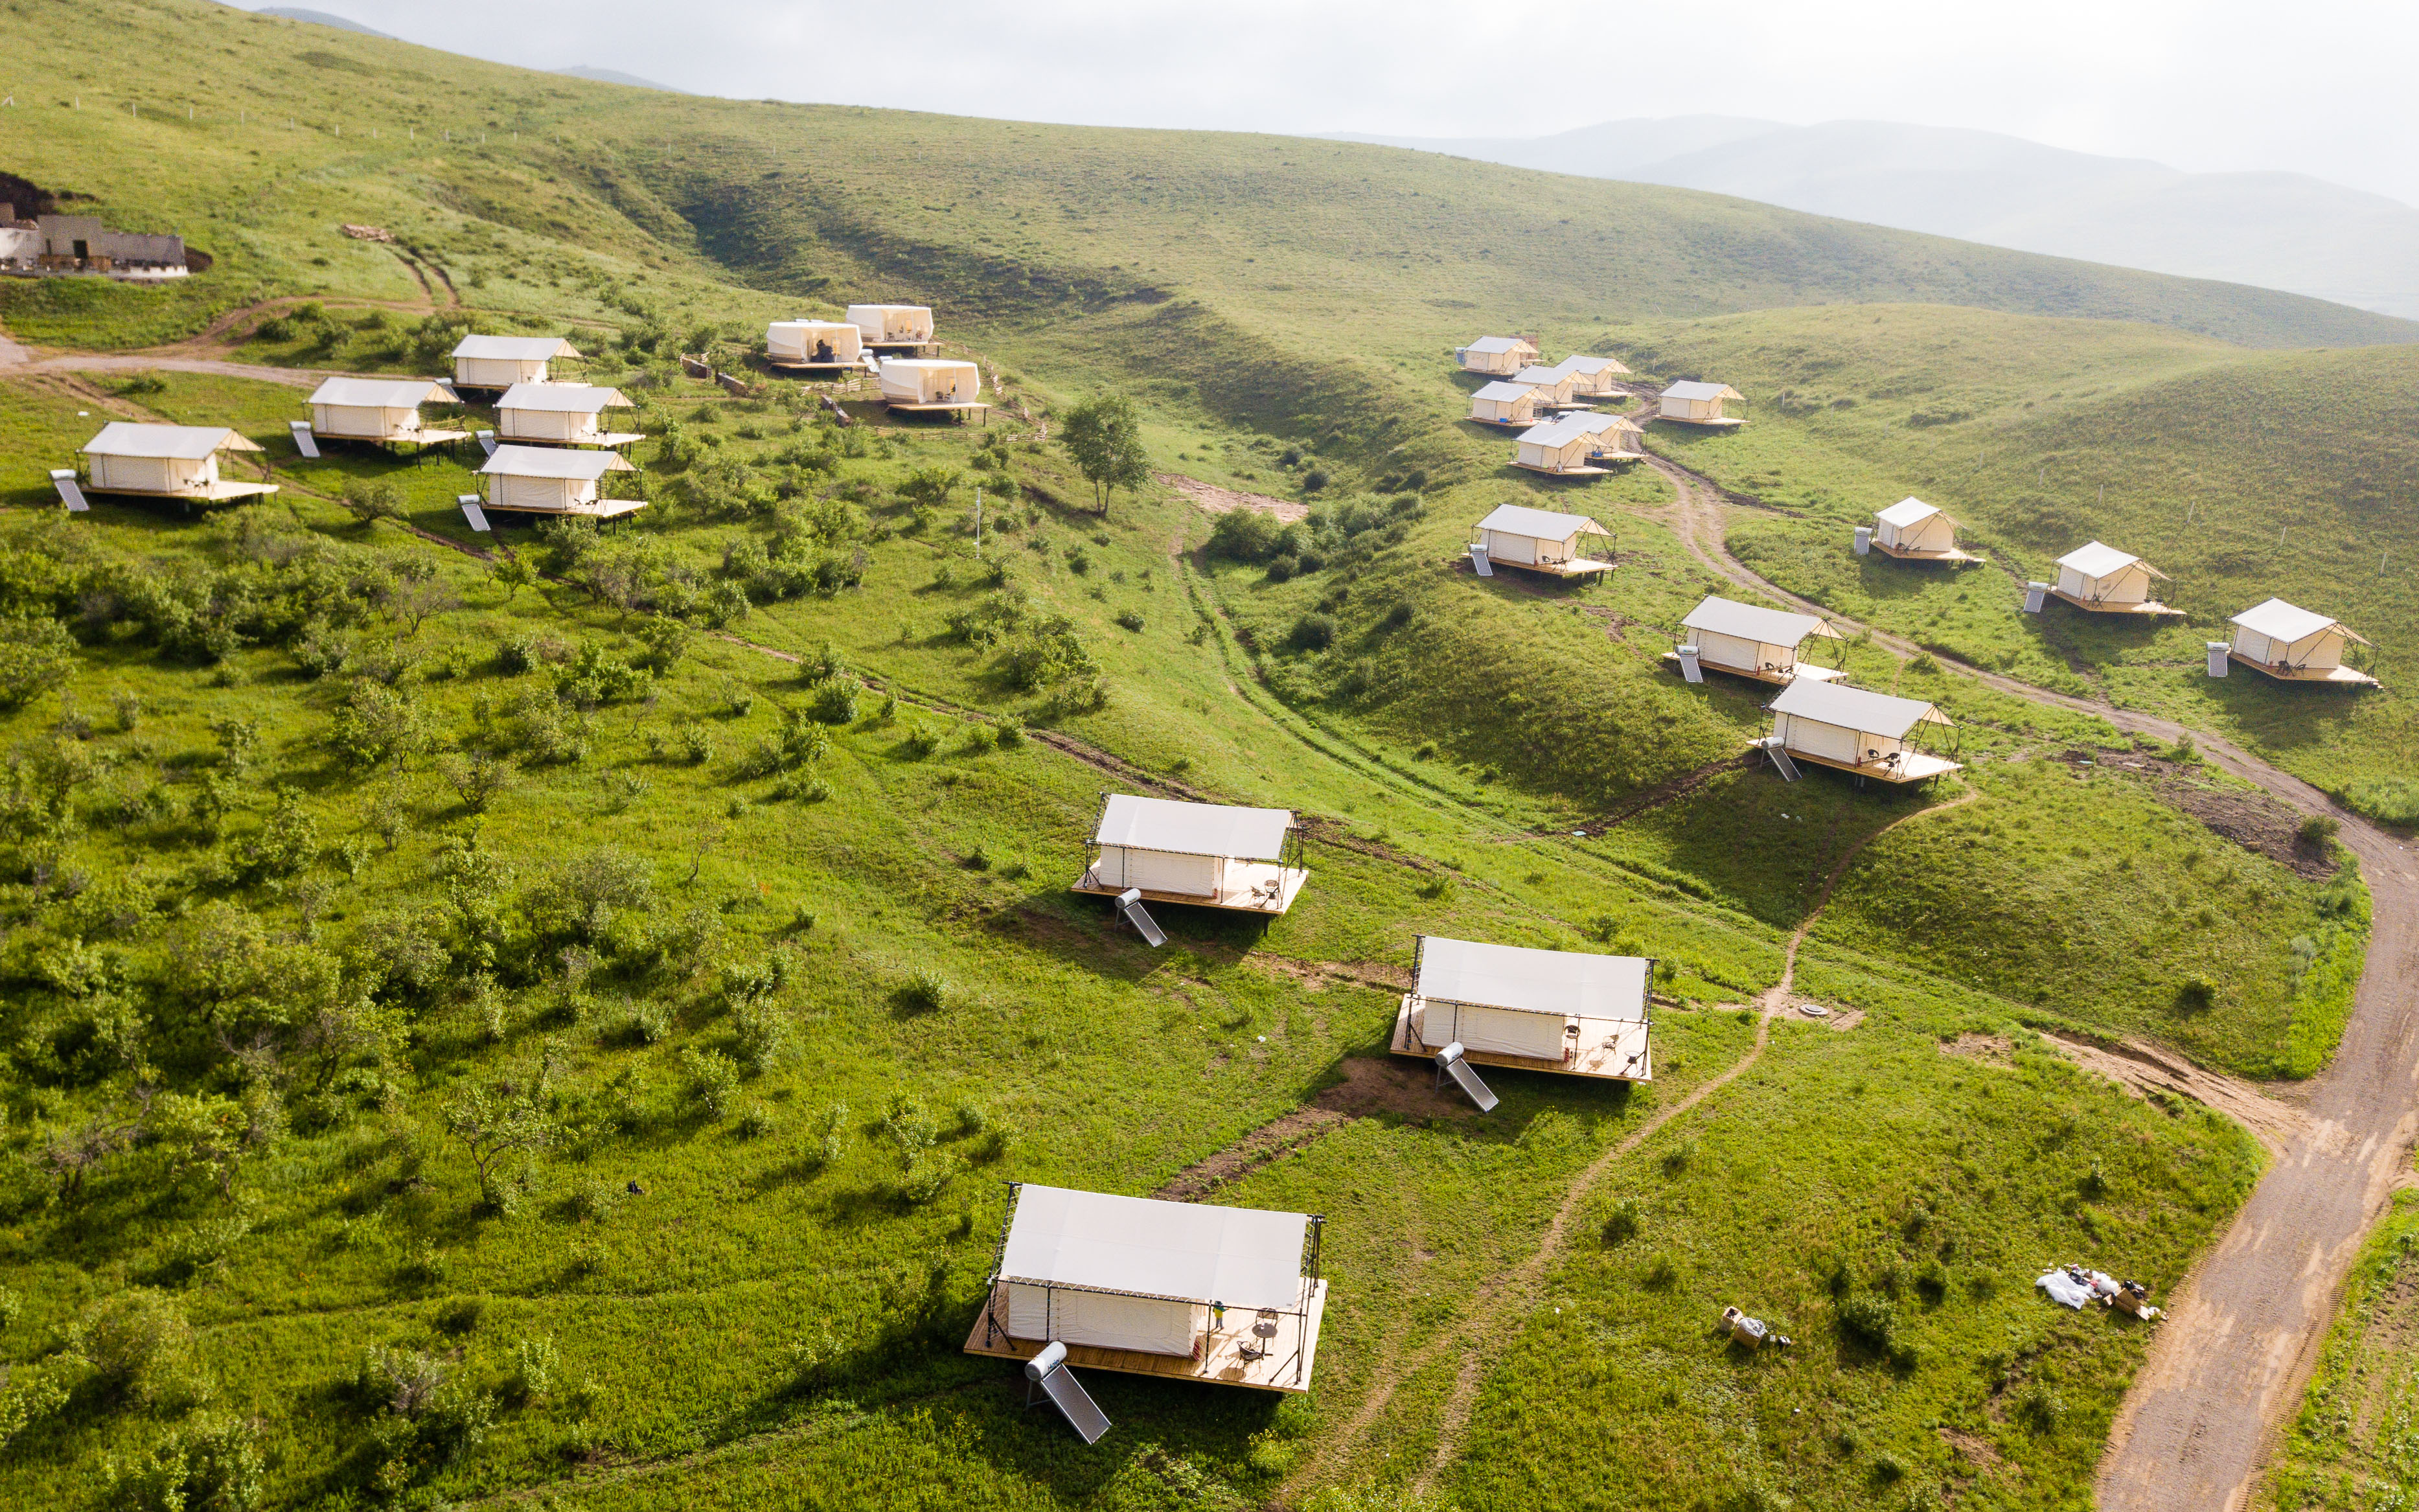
2229,1364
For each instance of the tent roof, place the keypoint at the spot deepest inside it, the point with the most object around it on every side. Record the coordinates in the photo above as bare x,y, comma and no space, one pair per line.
1246,1257
911,309
554,462
1533,982
1765,626
1497,344
2280,621
382,393
2098,561
1588,366
802,323
1702,391
1569,428
1544,524
1501,389
1907,512
1194,828
183,443
1539,376
1854,709
514,348
577,399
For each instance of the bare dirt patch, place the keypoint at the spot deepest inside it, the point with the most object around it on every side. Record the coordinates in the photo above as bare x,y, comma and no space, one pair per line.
1315,975
2252,820
1218,500
1995,1048
2150,1071
1373,1085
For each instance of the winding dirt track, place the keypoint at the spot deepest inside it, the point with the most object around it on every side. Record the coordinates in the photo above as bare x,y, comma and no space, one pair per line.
2229,1364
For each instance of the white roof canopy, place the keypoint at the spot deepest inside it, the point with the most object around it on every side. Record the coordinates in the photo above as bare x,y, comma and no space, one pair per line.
2098,561
1501,389
575,398
382,393
1194,828
182,444
1589,366
1544,524
1702,390
1764,626
1496,345
2288,623
514,348
932,364
1185,1251
1538,377
1854,709
554,462
1906,511
1571,427
1533,982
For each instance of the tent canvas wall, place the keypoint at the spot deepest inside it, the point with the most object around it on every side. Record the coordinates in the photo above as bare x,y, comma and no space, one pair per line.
1506,404
1553,448
814,343
546,481
1749,639
1500,355
1513,1001
931,380
174,461
1854,728
1553,385
1700,403
1912,525
2277,637
500,362
892,325
1522,536
2101,574
1205,853
377,410
559,413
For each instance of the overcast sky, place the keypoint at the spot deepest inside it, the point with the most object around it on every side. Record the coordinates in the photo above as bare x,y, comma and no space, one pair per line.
2204,85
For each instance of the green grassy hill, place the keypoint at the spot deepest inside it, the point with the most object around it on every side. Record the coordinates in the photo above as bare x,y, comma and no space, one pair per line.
318,831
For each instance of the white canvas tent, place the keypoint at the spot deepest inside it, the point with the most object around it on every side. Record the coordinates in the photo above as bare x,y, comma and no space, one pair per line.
1592,376
500,362
379,409
1209,854
2295,644
1856,730
1916,531
548,481
1181,1284
560,414
1554,386
1571,445
1505,403
1541,540
168,462
1566,1011
1758,643
2108,582
1699,404
930,383
1500,355
892,325
804,343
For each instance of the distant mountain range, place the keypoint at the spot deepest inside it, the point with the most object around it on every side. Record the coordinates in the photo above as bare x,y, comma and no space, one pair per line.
2274,230
322,18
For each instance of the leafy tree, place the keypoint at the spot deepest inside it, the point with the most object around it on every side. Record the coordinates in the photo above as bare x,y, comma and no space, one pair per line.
36,655
1104,438
512,574
499,1118
372,499
929,488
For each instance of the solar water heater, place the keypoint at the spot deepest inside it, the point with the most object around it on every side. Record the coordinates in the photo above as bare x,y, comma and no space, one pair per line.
1689,667
1129,904
487,441
472,512
1779,757
64,480
304,441
1048,1372
1478,559
1449,1062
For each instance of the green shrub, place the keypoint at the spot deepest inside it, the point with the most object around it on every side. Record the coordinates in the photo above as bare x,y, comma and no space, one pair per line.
138,1345
925,991
1870,1320
833,700
1312,632
1621,1224
212,1464
712,1079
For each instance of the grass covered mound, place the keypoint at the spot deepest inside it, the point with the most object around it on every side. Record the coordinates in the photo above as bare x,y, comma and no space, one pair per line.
2347,1449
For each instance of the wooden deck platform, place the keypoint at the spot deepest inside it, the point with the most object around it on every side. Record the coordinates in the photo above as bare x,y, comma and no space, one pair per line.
418,438
1601,1049
1222,1363
1261,888
2151,606
1954,557
602,509
217,493
1914,766
2340,676
1721,424
1804,669
1581,567
609,439
977,408
1565,472
814,367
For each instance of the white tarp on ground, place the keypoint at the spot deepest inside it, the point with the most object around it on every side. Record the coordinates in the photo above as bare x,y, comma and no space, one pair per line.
2287,623
1535,981
1854,709
1194,828
1542,524
1748,622
1191,1252
2070,1286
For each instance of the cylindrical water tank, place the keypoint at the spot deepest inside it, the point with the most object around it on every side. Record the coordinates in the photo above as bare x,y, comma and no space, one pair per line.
2034,594
1864,540
2217,650
1051,1356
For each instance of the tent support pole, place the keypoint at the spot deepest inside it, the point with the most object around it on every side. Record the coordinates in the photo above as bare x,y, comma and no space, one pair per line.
999,1260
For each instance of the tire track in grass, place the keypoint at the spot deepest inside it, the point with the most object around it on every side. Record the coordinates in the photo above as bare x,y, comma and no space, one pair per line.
1509,1293
2230,1362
